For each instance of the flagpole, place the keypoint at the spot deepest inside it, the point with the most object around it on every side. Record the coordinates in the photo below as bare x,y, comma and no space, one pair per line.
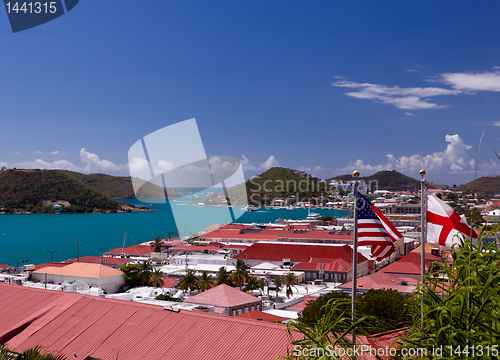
355,174
423,233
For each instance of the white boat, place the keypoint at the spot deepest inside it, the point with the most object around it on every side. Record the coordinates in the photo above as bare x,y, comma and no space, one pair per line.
290,207
313,216
250,208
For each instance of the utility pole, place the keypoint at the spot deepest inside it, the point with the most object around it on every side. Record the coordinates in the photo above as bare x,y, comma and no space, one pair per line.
124,238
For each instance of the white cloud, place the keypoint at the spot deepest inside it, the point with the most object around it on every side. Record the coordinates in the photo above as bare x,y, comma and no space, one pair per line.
409,114
41,164
139,168
315,171
54,152
412,70
402,98
249,166
270,162
496,123
17,153
485,81
38,152
452,160
94,164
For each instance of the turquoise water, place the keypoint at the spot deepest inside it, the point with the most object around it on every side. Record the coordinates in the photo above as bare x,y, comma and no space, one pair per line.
26,236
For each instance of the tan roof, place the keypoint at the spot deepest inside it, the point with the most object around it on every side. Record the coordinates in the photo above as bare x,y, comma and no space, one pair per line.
81,269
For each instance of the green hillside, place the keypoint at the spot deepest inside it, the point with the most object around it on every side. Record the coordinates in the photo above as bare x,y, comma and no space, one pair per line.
387,180
488,185
276,183
28,189
118,187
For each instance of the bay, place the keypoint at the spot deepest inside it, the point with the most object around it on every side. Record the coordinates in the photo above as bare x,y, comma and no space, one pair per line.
30,236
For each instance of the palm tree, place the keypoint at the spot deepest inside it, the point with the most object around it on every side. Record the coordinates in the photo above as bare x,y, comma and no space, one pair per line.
144,273
205,281
252,284
290,280
240,275
277,282
262,284
157,245
156,279
223,277
188,281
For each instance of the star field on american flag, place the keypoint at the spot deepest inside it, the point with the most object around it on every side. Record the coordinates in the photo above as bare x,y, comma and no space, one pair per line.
375,230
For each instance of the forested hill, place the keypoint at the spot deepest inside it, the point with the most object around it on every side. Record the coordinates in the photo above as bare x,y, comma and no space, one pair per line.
117,187
488,185
388,180
28,189
276,183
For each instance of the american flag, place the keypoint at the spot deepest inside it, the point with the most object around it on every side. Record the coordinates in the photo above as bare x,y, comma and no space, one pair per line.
375,230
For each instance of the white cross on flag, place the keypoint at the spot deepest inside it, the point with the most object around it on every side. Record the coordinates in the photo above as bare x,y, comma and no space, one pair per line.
443,223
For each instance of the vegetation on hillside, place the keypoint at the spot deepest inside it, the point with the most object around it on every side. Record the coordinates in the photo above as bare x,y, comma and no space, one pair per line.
455,313
28,189
488,185
117,187
276,183
388,180
385,309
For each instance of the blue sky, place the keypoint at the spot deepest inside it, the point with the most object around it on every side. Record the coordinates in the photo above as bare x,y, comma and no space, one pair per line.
325,86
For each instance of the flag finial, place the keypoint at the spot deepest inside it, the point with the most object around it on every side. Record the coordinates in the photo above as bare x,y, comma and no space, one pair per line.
422,172
355,173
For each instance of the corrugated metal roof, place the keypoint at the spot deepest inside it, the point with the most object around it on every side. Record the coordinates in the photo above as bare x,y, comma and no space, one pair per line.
136,250
261,316
382,280
107,328
339,265
297,252
97,259
224,296
81,269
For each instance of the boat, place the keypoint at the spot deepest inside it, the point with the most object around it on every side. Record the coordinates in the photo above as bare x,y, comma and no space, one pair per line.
290,207
313,216
250,208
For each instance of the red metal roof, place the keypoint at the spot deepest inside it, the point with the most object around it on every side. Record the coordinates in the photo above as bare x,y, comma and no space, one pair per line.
236,246
51,264
381,280
196,248
223,296
2,267
302,305
108,328
236,227
275,235
97,259
338,265
298,252
262,316
81,269
402,267
136,250
169,282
